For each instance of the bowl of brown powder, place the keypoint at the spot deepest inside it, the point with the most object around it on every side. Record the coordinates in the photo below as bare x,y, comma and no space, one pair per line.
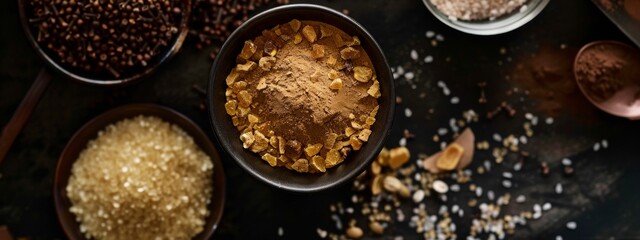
139,171
481,17
301,97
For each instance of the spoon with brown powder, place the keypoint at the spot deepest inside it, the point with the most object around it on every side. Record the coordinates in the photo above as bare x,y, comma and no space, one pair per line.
608,73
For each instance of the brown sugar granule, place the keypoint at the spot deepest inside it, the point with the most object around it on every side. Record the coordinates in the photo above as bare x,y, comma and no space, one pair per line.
310,101
141,178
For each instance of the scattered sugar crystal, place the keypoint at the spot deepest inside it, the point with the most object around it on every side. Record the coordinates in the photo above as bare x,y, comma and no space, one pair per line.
407,112
430,34
558,188
409,76
414,54
428,59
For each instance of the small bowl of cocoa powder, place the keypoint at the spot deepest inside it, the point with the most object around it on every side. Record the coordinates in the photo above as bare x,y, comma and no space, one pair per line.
301,97
608,74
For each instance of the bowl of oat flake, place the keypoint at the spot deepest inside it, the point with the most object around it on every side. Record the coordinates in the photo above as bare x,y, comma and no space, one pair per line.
301,96
481,17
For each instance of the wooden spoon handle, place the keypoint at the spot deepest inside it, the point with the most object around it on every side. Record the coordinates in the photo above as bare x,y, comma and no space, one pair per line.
22,114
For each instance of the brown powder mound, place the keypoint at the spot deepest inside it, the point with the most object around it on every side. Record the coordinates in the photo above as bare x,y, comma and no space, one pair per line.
632,7
297,101
548,76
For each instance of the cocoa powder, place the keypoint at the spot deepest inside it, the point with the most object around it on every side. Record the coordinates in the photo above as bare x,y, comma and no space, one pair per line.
297,100
548,77
605,68
632,7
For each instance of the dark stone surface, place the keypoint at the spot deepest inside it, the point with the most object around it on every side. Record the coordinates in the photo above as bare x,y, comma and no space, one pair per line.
601,196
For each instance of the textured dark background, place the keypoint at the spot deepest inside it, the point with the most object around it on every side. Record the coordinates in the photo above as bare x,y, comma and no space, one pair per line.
602,196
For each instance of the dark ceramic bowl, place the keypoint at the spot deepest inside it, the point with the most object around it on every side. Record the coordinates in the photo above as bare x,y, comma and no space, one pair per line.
90,131
126,77
228,135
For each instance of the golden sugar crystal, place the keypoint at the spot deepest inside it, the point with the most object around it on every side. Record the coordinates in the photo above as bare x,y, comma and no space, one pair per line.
317,51
309,33
244,98
242,111
349,53
374,90
248,66
297,38
355,41
337,39
349,131
332,60
374,111
261,142
281,144
333,74
336,84
240,85
325,32
295,24
247,139
301,165
362,74
370,121
262,84
247,50
333,158
383,157
330,141
266,63
253,118
232,77
317,163
272,160
231,107
398,156
364,135
356,144
312,149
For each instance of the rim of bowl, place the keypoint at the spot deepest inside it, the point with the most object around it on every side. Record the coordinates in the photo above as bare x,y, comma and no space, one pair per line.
584,91
244,163
92,127
156,62
503,24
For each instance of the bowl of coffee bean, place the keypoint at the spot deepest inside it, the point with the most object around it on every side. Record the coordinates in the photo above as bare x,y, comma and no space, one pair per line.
302,97
105,42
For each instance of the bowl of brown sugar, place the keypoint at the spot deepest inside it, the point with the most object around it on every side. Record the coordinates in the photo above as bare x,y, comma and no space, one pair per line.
301,97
